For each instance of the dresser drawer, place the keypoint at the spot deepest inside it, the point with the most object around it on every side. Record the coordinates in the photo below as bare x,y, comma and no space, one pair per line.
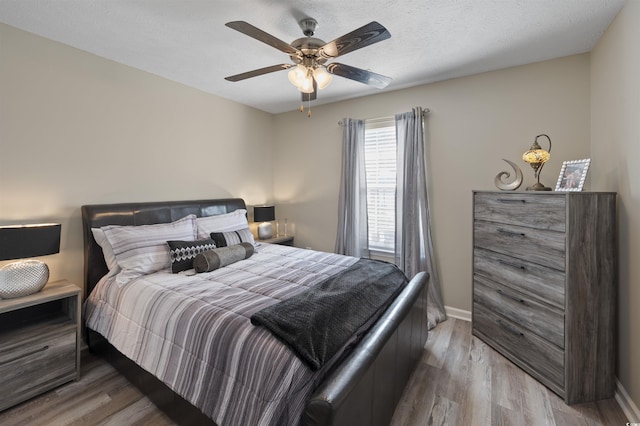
542,247
31,366
541,359
529,278
540,211
526,312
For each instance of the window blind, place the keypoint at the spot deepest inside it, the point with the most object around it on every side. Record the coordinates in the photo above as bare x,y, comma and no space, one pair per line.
380,170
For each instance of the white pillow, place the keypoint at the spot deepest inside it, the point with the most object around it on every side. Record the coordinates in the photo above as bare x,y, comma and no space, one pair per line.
237,219
143,249
107,250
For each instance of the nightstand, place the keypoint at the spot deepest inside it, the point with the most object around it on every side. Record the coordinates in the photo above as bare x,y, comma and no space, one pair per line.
283,240
39,342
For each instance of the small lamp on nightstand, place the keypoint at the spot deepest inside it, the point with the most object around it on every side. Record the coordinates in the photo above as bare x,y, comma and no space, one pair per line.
264,214
25,277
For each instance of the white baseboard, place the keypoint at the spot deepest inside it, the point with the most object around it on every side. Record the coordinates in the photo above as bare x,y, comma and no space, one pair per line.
458,313
629,407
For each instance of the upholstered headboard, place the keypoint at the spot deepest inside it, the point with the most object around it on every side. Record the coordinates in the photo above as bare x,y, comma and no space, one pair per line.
97,215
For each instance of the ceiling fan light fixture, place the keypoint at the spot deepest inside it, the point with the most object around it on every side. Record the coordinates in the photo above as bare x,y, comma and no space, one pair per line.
297,75
307,84
322,77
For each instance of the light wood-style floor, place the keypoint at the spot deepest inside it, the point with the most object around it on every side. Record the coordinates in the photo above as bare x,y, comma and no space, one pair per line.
459,381
463,381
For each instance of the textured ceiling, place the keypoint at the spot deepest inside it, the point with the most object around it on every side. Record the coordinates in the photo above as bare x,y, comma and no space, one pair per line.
431,40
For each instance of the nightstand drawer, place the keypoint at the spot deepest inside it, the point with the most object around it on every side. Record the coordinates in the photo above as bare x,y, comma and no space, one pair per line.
537,246
39,342
26,369
537,356
544,283
30,363
540,211
546,322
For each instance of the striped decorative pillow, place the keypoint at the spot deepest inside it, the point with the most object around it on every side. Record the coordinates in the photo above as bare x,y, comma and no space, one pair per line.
237,219
143,249
224,239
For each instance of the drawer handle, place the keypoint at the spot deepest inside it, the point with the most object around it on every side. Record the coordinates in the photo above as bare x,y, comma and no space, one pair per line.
511,200
510,296
27,354
510,330
509,232
513,265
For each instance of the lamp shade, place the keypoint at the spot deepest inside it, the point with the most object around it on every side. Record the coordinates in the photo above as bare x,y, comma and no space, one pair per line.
264,213
25,241
297,74
536,154
322,77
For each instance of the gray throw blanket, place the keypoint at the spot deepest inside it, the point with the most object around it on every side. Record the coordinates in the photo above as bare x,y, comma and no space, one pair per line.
316,323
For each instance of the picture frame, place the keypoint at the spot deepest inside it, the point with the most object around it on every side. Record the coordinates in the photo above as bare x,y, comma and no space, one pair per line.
572,175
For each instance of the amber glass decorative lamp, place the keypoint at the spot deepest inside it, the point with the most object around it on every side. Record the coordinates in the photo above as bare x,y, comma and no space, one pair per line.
537,157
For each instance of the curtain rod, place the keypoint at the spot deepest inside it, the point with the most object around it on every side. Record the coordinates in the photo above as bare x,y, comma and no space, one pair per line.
425,111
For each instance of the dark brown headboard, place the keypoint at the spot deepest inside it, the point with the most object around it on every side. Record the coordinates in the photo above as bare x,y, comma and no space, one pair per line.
97,215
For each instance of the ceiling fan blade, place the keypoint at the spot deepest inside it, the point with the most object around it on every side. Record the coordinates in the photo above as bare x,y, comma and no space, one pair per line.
363,76
371,33
258,34
255,73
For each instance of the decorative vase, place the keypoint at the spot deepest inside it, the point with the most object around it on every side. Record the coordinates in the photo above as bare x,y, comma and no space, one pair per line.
22,278
265,230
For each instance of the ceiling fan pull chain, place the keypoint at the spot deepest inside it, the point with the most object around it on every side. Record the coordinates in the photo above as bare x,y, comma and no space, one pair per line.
309,107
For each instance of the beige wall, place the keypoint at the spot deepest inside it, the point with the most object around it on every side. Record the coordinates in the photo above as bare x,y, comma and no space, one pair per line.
474,123
78,129
615,150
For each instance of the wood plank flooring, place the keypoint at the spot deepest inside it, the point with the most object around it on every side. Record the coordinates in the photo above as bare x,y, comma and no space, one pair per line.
462,381
102,396
459,381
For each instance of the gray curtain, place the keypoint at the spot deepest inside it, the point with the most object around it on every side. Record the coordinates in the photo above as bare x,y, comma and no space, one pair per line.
414,247
352,236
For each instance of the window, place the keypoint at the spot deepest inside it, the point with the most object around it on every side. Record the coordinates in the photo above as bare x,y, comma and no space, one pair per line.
380,170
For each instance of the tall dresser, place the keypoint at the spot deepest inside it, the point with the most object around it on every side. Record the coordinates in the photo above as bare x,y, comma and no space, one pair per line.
544,286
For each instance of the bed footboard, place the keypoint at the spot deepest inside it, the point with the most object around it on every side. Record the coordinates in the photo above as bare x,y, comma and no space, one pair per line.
368,384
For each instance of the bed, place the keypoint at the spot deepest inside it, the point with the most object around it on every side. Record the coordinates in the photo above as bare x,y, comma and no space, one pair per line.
360,385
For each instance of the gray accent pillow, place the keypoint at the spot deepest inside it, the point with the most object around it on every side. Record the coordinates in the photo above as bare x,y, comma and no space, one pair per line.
217,258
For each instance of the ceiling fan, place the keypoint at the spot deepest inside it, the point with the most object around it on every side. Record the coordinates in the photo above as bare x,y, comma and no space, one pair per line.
309,55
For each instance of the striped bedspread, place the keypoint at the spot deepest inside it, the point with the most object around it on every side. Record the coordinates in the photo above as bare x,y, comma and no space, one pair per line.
194,332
